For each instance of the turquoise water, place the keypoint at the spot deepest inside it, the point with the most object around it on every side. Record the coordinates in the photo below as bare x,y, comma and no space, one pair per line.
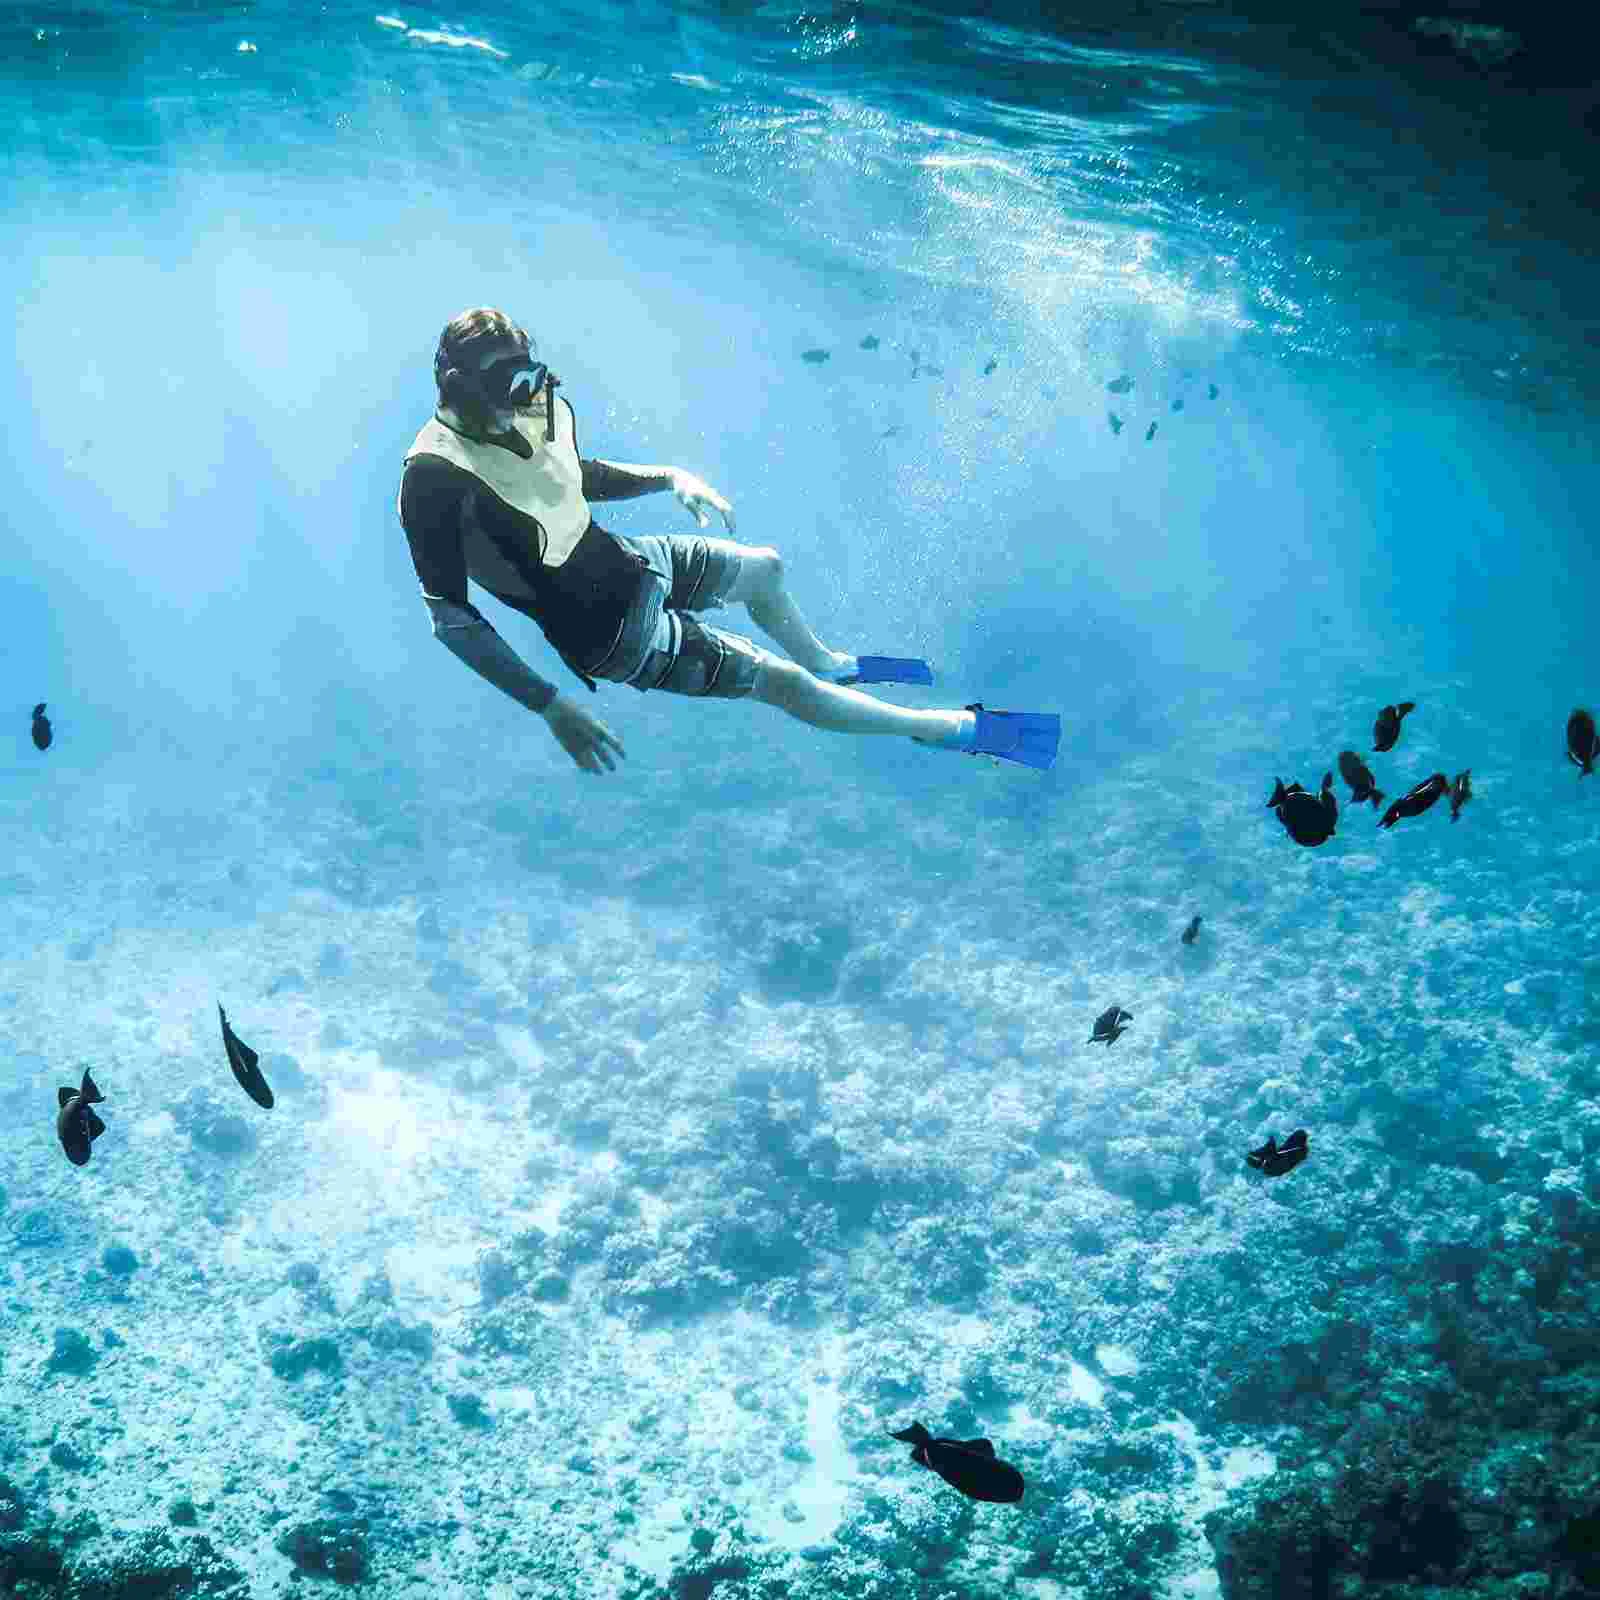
647,1146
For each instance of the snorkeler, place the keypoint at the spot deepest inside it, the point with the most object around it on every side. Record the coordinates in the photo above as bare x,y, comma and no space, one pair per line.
494,489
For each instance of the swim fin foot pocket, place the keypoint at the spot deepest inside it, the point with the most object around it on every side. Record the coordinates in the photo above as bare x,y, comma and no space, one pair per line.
1030,738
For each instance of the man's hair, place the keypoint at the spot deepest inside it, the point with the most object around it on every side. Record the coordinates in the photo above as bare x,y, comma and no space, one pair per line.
463,338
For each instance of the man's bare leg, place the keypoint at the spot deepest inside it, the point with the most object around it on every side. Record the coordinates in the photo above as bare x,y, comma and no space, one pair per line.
759,588
791,688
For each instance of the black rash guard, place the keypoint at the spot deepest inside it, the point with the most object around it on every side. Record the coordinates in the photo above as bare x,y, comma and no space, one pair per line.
578,605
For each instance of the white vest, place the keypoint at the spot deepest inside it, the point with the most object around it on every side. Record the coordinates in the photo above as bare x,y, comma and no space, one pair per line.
548,486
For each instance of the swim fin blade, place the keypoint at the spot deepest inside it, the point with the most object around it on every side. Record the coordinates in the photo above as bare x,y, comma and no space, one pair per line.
1029,737
890,669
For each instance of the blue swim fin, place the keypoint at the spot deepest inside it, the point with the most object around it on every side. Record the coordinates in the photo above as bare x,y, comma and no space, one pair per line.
889,669
1028,737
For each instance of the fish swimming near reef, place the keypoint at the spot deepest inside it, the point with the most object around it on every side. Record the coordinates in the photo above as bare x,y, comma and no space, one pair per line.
41,728
1387,728
1110,1026
1149,433
870,342
1192,932
989,366
243,1061
1415,801
1460,793
1115,421
969,1465
1358,775
1274,1159
77,1127
815,357
1120,385
1310,819
1583,745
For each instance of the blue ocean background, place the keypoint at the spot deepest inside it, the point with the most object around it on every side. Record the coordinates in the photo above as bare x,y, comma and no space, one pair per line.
647,1146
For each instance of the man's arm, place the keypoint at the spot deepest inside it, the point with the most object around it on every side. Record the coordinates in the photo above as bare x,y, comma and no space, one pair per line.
469,637
626,480
622,480
431,498
616,480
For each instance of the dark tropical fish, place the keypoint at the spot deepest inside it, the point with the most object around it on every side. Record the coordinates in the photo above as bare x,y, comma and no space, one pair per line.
1110,1025
1309,818
1274,1159
41,728
1387,728
1460,793
815,357
1212,391
243,1061
1358,775
1149,433
1192,932
1120,385
77,1127
1177,405
1415,801
870,342
1582,744
992,364
1115,421
969,1465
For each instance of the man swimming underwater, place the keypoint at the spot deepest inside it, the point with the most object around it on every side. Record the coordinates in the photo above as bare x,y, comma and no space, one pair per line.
494,490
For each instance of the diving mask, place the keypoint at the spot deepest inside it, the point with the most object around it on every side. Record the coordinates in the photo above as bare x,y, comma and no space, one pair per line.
511,384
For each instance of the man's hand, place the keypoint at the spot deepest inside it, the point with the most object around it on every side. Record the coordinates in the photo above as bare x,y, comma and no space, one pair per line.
584,737
695,495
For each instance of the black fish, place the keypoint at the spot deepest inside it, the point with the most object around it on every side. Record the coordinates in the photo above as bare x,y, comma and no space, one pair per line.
1192,932
41,728
77,1127
1149,433
1120,385
1212,391
969,1465
1311,819
870,342
1110,1025
1115,421
1387,728
1582,744
1274,1159
1358,775
1460,793
815,357
990,367
243,1061
1415,801
1177,405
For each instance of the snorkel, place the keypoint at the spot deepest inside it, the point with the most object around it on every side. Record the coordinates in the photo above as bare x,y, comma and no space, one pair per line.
551,384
